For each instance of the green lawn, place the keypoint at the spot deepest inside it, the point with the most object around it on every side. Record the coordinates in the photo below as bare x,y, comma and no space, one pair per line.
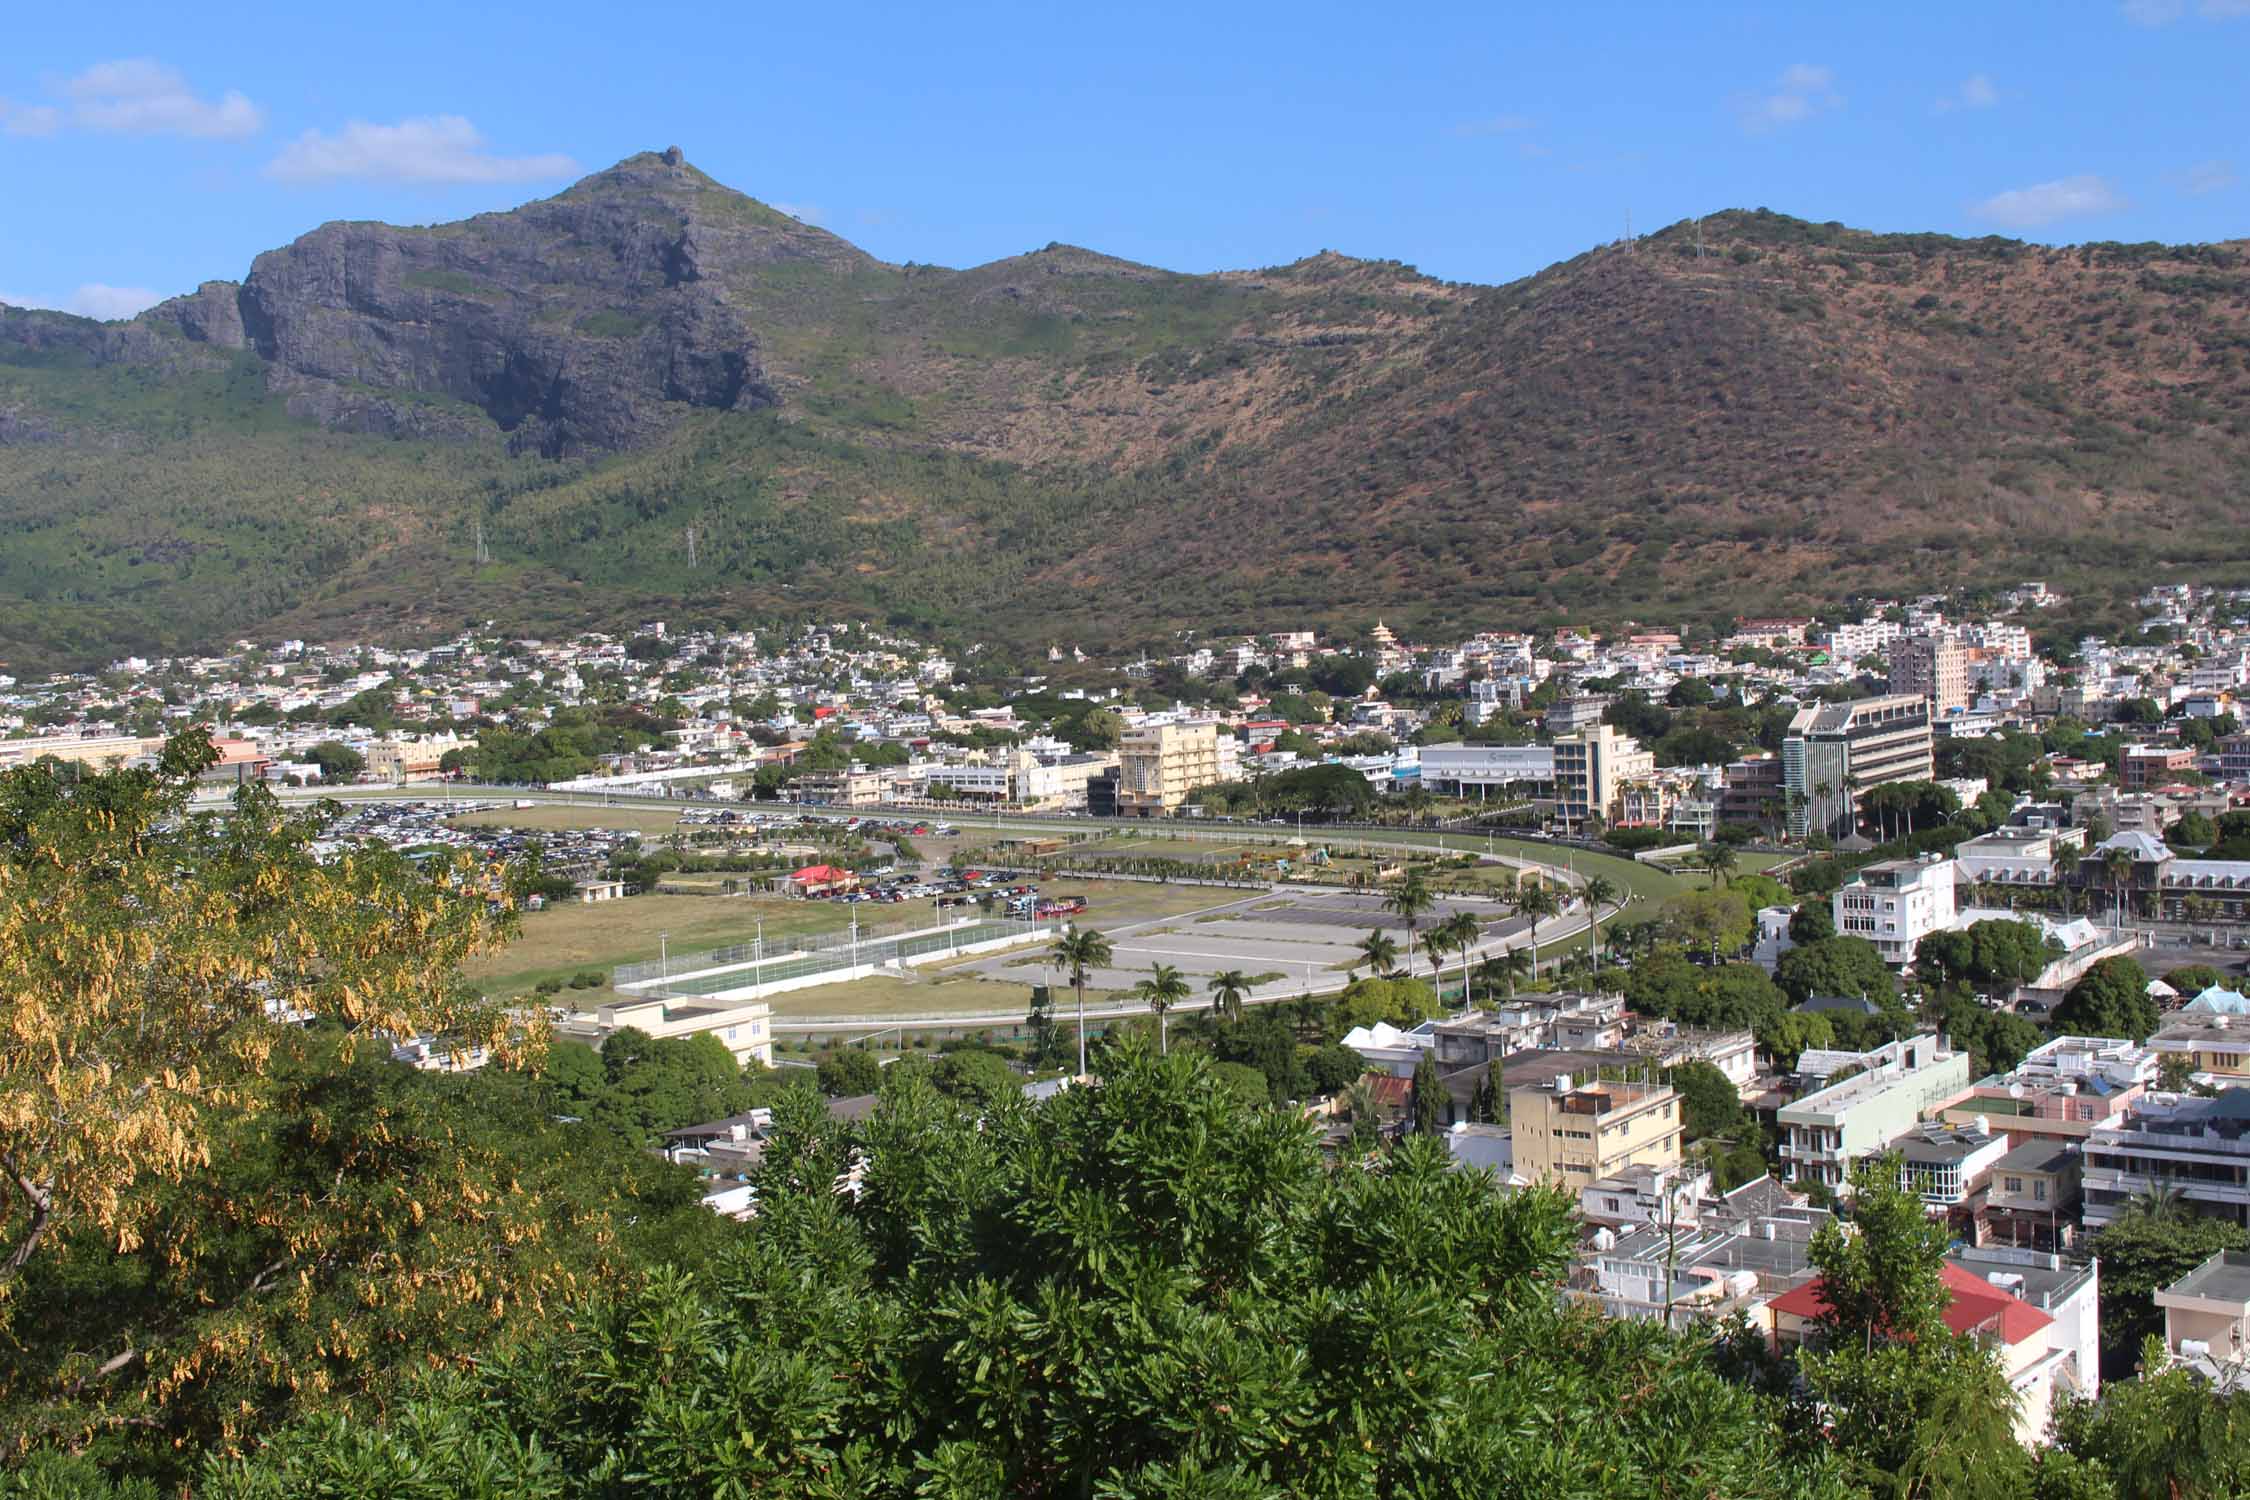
568,937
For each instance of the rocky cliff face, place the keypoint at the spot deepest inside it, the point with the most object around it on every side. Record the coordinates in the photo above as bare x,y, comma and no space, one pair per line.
578,324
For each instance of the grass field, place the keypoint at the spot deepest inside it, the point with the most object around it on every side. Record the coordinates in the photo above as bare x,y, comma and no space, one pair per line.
562,940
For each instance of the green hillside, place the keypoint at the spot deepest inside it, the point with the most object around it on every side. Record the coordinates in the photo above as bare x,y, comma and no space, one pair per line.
1066,446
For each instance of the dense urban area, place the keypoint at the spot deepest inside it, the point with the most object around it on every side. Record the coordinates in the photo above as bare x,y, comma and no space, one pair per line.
1855,1007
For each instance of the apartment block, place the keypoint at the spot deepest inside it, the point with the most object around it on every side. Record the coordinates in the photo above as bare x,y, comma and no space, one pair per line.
1896,903
1592,768
1158,765
1577,1133
1931,666
2198,1146
1835,751
1827,1130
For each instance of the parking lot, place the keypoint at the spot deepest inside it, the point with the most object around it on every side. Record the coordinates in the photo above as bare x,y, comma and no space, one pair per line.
1297,941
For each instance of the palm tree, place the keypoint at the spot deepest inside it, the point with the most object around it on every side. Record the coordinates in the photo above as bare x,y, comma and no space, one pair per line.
2117,864
1505,967
2160,1200
2066,872
1412,898
1458,934
1080,951
1821,793
1716,860
1379,951
1163,989
1227,989
1600,891
1536,902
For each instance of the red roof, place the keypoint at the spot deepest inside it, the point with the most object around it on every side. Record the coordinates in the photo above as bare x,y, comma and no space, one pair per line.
1977,1306
821,875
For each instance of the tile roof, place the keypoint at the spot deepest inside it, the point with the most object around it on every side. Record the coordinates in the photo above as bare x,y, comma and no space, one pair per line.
1977,1305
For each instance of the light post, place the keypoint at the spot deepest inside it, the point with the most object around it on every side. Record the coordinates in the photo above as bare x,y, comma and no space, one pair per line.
664,955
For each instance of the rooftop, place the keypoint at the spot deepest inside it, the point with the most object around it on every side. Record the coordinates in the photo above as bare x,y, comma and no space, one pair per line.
2037,1156
2225,1277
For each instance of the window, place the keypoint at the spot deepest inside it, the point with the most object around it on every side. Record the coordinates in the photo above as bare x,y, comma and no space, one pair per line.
2039,1190
2013,1184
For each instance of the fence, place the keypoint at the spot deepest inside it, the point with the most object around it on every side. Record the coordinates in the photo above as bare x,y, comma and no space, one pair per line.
742,966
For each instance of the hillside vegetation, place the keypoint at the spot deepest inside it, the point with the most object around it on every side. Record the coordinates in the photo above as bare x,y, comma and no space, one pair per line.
1065,446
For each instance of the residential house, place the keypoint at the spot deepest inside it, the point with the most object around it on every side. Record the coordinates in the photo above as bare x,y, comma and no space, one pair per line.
1574,1133
2198,1147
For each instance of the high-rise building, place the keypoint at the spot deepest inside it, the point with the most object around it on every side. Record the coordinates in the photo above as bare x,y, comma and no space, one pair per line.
1158,765
1931,666
1592,767
1836,751
1574,1135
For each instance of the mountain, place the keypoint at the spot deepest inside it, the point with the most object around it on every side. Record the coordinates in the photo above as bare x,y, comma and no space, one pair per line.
651,395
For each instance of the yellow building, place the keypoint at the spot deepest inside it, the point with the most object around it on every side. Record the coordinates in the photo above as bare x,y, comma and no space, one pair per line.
1575,1134
1160,764
1593,766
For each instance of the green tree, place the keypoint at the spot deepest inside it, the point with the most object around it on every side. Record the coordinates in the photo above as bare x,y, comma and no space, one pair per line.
1164,988
2144,1250
1537,902
2166,1436
337,761
1710,921
849,1072
1710,1105
1716,860
1812,922
1378,951
1845,966
1409,901
2110,999
1914,1409
1600,891
1227,988
1081,951
1432,1104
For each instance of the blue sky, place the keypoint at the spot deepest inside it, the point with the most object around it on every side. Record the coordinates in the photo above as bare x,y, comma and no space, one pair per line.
144,148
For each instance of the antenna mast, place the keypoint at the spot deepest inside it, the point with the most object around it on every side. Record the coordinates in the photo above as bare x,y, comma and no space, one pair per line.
691,546
483,556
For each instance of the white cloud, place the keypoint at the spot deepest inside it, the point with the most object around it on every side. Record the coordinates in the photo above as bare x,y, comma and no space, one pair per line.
28,119
1802,91
2079,197
2208,177
1976,92
424,149
1493,125
95,300
804,213
140,96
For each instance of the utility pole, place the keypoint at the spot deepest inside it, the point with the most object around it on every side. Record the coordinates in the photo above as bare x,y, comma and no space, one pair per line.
483,556
691,546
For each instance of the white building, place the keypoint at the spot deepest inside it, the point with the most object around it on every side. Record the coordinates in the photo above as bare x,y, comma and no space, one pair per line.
1894,904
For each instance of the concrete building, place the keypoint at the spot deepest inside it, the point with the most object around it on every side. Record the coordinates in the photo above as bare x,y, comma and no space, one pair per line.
2140,767
1895,903
1931,666
1592,767
743,1025
1949,1167
1158,765
2207,1317
1480,771
2212,1033
1569,715
1573,1134
2062,1092
2178,1141
1835,751
1826,1131
1752,791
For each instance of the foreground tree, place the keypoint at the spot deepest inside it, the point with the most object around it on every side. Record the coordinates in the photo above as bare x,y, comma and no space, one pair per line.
151,957
1142,1288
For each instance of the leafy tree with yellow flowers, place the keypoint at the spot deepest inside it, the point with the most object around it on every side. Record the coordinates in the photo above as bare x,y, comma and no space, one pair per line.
222,1200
